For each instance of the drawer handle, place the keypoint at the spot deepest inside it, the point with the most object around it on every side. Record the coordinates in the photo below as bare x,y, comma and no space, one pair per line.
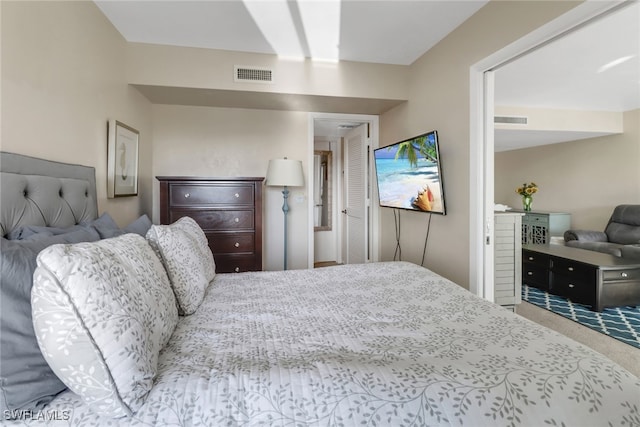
236,219
570,268
529,273
237,269
571,285
623,274
237,245
237,195
531,258
186,195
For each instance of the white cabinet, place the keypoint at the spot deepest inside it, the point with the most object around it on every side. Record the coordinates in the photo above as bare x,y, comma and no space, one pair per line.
508,258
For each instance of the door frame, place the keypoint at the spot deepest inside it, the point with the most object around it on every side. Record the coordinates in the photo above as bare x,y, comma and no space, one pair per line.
481,131
374,221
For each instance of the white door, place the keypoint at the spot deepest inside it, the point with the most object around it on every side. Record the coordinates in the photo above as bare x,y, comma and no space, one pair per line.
356,199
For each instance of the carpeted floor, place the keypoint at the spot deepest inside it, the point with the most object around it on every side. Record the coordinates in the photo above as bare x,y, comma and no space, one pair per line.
621,353
621,323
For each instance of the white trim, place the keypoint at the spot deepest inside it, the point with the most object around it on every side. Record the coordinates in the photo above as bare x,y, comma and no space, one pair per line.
488,190
375,221
476,183
480,178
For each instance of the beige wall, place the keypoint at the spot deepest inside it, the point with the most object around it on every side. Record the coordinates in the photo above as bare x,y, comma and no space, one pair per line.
586,178
439,99
63,78
548,119
213,69
220,142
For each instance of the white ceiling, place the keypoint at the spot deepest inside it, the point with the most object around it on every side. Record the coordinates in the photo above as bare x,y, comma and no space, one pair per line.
367,31
593,68
578,70
567,73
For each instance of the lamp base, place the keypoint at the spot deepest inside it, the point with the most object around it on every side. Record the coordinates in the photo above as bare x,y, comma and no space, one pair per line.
285,210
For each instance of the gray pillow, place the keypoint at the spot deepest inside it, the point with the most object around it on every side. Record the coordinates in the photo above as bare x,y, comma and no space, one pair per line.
105,226
139,226
26,381
35,231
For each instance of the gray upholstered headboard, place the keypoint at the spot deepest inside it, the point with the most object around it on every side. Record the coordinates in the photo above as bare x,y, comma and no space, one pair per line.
42,192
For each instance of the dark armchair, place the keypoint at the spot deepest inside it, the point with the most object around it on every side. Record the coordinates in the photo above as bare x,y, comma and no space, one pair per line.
622,229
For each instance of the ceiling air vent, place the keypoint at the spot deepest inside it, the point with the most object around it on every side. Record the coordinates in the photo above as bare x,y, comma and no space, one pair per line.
510,120
252,74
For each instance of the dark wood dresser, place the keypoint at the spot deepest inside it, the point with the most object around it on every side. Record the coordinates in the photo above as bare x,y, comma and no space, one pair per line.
229,210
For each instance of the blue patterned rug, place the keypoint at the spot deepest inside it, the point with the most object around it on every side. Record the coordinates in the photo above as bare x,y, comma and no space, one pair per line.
621,323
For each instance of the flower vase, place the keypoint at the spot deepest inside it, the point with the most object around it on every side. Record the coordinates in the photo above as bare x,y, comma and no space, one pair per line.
526,202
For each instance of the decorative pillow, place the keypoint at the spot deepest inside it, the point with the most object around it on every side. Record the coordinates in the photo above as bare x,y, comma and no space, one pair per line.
106,226
101,313
140,226
26,380
184,251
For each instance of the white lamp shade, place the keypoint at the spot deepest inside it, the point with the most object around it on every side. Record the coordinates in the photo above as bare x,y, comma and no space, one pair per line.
285,172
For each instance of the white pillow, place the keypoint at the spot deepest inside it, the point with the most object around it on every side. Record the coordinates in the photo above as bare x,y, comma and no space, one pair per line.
185,253
102,311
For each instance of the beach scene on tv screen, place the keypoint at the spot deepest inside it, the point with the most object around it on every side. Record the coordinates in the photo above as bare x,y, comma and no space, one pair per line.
408,175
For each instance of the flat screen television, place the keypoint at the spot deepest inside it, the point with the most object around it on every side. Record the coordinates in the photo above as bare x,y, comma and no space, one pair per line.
409,174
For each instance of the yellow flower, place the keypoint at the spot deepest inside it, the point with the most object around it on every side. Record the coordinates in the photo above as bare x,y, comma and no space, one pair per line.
527,189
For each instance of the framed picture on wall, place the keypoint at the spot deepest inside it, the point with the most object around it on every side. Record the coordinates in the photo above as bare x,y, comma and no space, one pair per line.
122,160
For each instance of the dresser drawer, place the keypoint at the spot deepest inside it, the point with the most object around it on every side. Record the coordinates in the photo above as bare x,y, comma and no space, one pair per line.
218,219
535,275
207,195
577,291
232,263
535,258
574,270
537,219
612,275
231,243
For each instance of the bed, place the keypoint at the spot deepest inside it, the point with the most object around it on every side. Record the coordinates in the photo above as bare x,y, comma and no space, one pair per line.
387,343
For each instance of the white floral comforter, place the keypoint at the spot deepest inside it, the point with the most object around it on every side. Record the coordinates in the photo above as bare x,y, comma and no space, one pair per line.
389,344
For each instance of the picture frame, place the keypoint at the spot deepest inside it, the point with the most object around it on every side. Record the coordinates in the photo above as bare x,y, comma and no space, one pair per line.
122,160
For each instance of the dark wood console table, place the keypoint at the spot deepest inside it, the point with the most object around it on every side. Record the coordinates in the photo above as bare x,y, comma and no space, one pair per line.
586,277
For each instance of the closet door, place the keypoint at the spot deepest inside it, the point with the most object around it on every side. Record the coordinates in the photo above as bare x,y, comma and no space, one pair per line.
356,196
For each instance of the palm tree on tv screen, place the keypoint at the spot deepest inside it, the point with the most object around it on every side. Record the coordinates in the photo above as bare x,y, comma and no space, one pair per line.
418,146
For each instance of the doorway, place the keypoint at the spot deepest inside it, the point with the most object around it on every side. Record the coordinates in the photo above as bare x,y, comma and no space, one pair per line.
327,135
481,263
